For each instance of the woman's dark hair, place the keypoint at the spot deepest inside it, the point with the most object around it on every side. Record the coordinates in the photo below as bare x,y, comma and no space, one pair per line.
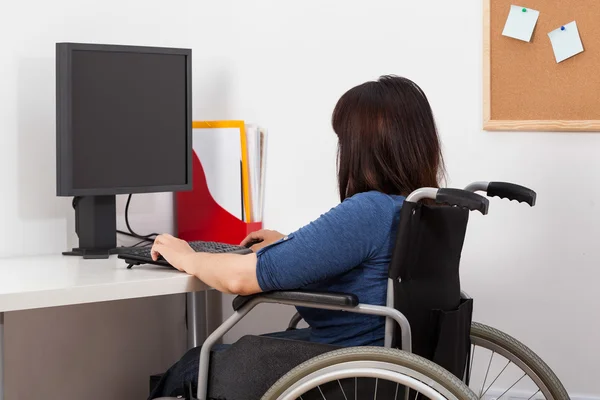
387,139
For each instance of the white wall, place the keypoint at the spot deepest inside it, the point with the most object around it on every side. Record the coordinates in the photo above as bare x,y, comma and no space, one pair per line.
533,271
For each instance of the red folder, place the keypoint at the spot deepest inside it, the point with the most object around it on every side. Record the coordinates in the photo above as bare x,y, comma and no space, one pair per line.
200,217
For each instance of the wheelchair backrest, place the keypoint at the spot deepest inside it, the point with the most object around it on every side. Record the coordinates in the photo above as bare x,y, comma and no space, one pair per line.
425,272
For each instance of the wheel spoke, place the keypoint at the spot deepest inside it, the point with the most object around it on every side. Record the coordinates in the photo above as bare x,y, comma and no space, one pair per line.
513,385
494,381
320,391
398,387
539,390
355,388
486,373
344,393
376,383
472,358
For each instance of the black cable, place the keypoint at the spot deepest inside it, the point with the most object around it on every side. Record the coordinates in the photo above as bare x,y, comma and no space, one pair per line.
144,238
149,236
140,242
147,240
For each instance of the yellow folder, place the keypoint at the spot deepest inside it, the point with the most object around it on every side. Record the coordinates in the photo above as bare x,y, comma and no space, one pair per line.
248,217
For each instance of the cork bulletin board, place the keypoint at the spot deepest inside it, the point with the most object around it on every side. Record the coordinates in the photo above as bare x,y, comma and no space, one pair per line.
524,88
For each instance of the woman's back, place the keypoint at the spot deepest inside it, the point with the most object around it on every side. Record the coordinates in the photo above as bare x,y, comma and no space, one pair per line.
387,147
346,250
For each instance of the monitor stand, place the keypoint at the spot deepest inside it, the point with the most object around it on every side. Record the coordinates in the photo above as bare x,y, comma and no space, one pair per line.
96,226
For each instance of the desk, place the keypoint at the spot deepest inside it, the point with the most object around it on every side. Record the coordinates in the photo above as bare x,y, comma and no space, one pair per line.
50,281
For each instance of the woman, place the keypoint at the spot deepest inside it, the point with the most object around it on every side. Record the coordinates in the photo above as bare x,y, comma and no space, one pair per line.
387,147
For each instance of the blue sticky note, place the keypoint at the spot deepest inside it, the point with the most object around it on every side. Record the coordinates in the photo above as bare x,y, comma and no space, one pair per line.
520,23
566,41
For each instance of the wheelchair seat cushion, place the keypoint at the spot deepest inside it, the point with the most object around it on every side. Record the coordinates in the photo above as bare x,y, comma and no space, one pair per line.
247,369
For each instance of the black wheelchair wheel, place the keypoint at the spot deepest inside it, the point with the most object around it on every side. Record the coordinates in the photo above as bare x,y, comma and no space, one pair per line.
509,363
382,372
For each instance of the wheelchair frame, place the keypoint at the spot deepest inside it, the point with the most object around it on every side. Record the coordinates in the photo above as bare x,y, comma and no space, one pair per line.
465,198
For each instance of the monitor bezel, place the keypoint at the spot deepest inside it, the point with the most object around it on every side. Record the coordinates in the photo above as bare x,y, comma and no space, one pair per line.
64,133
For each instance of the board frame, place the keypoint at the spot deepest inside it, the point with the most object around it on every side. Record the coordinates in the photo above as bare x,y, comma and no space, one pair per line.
490,124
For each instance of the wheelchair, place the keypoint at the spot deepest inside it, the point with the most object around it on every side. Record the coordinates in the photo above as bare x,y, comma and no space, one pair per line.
431,344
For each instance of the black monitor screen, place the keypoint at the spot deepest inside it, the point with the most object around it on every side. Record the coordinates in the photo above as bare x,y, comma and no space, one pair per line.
128,120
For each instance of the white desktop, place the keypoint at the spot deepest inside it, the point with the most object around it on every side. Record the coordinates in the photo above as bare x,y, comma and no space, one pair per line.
49,281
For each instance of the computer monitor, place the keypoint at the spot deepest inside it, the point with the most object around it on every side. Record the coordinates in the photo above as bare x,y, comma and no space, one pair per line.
123,125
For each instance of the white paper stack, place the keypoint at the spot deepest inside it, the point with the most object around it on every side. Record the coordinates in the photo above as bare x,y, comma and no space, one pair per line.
257,143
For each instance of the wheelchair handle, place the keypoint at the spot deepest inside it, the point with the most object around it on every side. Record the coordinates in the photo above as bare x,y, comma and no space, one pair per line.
462,198
453,197
505,190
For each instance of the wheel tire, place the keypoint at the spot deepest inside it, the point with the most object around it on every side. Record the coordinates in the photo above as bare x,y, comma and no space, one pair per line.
519,350
393,356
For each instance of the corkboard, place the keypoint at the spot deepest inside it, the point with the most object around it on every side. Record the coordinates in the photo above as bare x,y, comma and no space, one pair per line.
524,87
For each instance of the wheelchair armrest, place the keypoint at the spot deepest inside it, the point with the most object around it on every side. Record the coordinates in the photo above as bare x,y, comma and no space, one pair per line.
302,296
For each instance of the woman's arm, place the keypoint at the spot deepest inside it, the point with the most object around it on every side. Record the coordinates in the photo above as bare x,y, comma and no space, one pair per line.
228,273
333,244
329,246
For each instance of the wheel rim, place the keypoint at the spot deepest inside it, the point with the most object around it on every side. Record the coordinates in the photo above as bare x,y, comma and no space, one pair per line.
492,376
368,369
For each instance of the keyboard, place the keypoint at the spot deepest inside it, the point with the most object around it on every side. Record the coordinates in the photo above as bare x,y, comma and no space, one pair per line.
141,255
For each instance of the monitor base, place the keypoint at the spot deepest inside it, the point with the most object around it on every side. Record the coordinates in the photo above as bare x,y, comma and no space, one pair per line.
93,254
96,227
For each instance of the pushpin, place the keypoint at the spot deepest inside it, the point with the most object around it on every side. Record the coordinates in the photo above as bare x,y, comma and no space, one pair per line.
562,28
524,10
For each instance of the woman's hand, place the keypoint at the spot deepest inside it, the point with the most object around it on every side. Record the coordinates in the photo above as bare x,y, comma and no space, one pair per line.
259,239
175,251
